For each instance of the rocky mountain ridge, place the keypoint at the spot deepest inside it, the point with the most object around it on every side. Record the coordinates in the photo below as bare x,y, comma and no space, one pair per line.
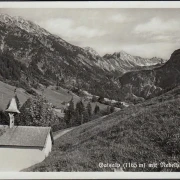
45,58
41,57
125,62
149,83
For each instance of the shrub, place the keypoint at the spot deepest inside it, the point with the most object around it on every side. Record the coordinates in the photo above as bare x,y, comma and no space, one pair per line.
38,112
112,109
101,99
32,92
4,119
94,99
96,109
89,109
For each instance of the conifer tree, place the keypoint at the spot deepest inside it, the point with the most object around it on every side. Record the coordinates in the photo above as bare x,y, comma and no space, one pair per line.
85,115
67,117
96,109
94,99
77,117
112,109
108,109
69,114
89,109
79,112
4,119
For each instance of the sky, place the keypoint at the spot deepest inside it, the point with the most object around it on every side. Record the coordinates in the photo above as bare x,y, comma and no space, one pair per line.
142,32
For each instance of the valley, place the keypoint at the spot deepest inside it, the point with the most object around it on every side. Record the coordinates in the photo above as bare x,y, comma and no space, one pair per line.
111,108
59,98
43,58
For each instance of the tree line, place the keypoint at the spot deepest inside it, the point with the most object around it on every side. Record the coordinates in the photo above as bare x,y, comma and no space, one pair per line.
37,111
78,114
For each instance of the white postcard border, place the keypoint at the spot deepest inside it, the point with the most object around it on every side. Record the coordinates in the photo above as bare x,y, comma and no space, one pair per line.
90,175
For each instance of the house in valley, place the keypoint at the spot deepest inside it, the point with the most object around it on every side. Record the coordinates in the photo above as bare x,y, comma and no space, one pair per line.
22,146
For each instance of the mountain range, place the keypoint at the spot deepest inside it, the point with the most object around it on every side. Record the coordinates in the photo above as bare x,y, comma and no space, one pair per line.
147,132
149,83
43,58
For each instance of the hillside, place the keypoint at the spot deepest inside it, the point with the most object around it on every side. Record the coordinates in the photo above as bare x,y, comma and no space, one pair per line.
152,82
40,57
30,55
7,92
144,133
124,62
59,98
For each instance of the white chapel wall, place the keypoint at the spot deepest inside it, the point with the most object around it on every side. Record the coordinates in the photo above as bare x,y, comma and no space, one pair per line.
16,159
48,146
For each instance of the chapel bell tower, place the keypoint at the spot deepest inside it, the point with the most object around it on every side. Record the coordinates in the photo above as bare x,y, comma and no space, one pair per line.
12,110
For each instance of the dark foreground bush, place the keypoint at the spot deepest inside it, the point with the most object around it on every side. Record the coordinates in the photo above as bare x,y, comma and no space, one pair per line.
38,112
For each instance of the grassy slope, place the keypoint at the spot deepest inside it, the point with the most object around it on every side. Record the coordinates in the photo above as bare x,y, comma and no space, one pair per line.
7,92
57,97
53,96
144,133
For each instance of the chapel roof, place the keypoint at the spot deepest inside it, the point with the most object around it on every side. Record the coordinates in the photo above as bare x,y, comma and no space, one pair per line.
26,136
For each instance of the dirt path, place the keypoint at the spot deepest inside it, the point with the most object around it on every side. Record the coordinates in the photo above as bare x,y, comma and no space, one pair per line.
61,133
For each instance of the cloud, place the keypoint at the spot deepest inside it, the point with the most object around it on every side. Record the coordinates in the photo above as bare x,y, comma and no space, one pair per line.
146,50
66,28
150,50
84,31
119,18
157,29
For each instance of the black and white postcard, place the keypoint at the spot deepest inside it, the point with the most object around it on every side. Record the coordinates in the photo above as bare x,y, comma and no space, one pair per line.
90,87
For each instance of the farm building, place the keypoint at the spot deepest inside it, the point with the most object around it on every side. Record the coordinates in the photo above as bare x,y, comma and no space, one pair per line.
22,146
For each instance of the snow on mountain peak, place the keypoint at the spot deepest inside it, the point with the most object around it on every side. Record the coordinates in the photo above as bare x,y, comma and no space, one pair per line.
91,50
26,25
121,52
119,61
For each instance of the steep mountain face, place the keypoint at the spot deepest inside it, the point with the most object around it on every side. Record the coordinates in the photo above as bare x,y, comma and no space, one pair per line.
149,83
124,62
30,55
44,58
92,52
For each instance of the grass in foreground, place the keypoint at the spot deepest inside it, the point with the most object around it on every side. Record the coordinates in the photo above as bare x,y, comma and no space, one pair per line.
145,133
